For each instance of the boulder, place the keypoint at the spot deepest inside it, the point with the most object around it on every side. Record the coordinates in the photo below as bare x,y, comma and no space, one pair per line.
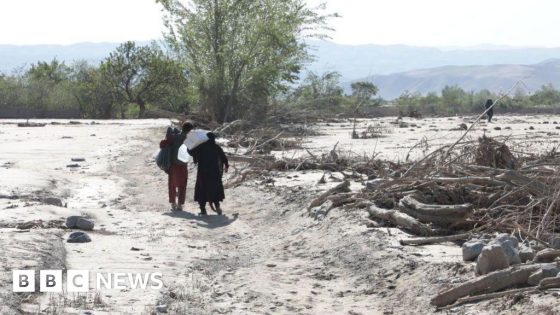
526,254
78,237
161,308
471,249
77,222
52,201
555,242
493,257
510,246
546,271
506,238
85,224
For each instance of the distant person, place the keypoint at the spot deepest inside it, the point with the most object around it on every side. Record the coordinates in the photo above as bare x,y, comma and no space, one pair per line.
178,172
211,163
490,111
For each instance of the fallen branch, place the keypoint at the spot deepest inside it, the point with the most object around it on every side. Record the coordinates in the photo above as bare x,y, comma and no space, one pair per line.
489,283
340,188
400,219
435,240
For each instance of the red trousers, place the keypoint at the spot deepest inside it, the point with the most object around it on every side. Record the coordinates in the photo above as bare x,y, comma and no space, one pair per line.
177,183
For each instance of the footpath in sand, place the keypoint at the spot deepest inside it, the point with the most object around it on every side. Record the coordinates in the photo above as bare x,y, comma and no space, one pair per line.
265,256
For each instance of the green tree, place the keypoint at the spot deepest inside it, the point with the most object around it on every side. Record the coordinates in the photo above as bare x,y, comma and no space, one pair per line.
363,92
319,91
141,74
241,52
92,92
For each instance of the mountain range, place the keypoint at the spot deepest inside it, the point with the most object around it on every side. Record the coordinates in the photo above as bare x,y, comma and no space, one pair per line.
394,68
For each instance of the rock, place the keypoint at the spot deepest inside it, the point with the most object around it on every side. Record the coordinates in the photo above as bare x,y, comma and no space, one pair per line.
77,222
463,126
73,165
510,245
161,308
373,184
493,257
503,238
52,201
78,237
535,278
497,128
78,160
471,249
321,211
546,271
526,254
550,270
84,224
555,242
71,221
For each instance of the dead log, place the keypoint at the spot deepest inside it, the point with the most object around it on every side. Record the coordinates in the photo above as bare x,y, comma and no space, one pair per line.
547,255
484,181
400,219
435,240
549,283
440,214
489,283
340,188
482,297
532,185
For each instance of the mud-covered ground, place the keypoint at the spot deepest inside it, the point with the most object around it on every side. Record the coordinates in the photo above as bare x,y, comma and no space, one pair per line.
267,255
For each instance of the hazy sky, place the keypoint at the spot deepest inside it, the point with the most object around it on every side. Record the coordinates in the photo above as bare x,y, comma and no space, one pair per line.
413,22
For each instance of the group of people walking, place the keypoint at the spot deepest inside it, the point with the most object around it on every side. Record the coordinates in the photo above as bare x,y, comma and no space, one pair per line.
211,163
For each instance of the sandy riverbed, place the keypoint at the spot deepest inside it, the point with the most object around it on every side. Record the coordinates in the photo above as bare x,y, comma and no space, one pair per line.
265,256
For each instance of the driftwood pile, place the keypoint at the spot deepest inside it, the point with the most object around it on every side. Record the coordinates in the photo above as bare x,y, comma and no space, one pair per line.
455,192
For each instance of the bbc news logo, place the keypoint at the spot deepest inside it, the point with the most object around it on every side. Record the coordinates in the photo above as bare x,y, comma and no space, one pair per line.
79,281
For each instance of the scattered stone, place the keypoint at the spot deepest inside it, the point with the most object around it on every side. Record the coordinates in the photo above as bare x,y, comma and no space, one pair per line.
373,184
493,257
526,254
531,128
510,245
471,249
463,126
497,128
555,242
78,237
161,308
271,265
73,165
77,222
78,160
547,271
135,249
52,201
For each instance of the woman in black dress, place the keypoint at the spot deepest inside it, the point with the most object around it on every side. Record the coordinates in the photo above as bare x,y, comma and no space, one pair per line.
211,163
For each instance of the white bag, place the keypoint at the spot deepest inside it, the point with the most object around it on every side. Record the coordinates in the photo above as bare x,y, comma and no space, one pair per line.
196,138
183,155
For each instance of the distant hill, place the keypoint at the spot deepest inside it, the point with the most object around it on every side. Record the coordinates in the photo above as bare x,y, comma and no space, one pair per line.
494,78
355,62
13,56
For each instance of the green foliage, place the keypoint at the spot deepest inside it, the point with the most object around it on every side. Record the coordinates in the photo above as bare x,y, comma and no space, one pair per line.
364,92
321,92
241,52
454,100
142,74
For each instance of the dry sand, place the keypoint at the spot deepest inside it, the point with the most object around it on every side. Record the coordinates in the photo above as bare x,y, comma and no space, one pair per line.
265,256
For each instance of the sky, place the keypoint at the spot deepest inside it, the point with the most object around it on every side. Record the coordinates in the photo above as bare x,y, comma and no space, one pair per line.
440,23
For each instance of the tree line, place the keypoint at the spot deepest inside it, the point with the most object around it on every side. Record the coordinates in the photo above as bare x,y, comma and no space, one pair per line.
229,59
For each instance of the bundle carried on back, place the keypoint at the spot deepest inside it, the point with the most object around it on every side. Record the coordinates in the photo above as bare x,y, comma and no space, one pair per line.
195,138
